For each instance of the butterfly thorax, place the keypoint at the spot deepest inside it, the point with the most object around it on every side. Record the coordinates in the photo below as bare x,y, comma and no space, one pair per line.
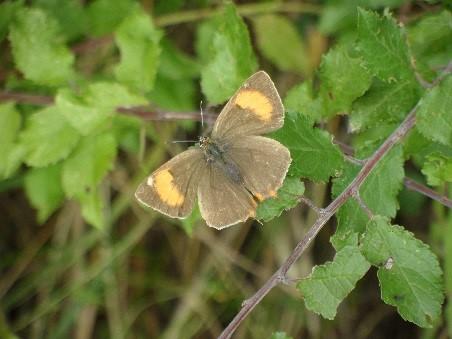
215,155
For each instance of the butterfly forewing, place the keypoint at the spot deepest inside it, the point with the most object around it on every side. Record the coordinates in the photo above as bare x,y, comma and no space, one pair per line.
255,109
172,188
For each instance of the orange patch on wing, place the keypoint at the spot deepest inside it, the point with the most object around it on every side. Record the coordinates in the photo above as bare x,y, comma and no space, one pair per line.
272,193
259,196
166,189
255,101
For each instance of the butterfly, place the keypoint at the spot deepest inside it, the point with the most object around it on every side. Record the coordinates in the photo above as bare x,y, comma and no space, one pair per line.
230,171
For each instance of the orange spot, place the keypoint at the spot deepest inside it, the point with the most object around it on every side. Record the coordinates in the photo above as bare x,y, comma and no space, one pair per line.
272,193
255,101
259,196
166,189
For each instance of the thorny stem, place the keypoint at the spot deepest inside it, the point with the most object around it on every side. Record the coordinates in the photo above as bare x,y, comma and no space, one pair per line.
326,214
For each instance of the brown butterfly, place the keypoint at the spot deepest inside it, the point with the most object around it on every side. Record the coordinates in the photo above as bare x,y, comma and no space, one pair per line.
231,170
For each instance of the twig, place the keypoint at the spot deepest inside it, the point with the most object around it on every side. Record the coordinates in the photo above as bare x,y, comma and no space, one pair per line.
363,204
23,98
311,204
417,187
328,212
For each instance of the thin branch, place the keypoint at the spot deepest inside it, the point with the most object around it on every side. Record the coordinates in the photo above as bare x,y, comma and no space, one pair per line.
363,204
311,204
243,10
417,187
23,98
327,213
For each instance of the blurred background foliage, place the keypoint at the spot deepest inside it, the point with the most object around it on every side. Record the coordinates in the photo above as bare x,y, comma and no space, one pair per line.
80,258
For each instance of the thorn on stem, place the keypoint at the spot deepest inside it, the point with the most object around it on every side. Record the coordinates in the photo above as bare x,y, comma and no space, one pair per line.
362,204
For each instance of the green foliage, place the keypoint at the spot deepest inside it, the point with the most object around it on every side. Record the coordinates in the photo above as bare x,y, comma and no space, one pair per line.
343,79
38,49
10,122
382,45
330,283
379,193
88,164
138,41
438,168
43,188
301,99
288,196
91,109
280,335
434,116
104,16
8,10
280,42
409,273
313,153
229,55
430,38
47,137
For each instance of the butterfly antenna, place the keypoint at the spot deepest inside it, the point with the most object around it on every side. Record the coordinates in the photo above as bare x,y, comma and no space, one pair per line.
202,115
180,141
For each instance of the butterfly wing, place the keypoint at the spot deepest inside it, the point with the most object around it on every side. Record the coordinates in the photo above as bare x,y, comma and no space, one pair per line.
172,188
223,202
255,109
263,164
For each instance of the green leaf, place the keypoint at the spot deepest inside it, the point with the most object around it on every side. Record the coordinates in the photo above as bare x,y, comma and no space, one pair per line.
174,95
138,41
88,164
301,99
383,46
384,103
8,10
280,335
330,283
106,15
275,33
288,197
126,130
88,110
10,122
434,116
92,204
438,169
43,189
408,271
231,58
38,50
47,137
189,223
379,192
175,64
70,14
313,153
343,79
430,38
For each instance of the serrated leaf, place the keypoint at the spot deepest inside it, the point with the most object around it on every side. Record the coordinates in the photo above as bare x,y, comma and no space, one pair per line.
37,48
343,79
47,137
88,164
231,58
384,103
274,34
92,205
43,189
138,41
382,45
287,197
301,99
89,109
408,271
330,283
438,169
10,122
434,116
379,192
106,15
126,130
313,153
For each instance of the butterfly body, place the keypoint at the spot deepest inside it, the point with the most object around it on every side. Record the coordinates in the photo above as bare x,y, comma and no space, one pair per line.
232,169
